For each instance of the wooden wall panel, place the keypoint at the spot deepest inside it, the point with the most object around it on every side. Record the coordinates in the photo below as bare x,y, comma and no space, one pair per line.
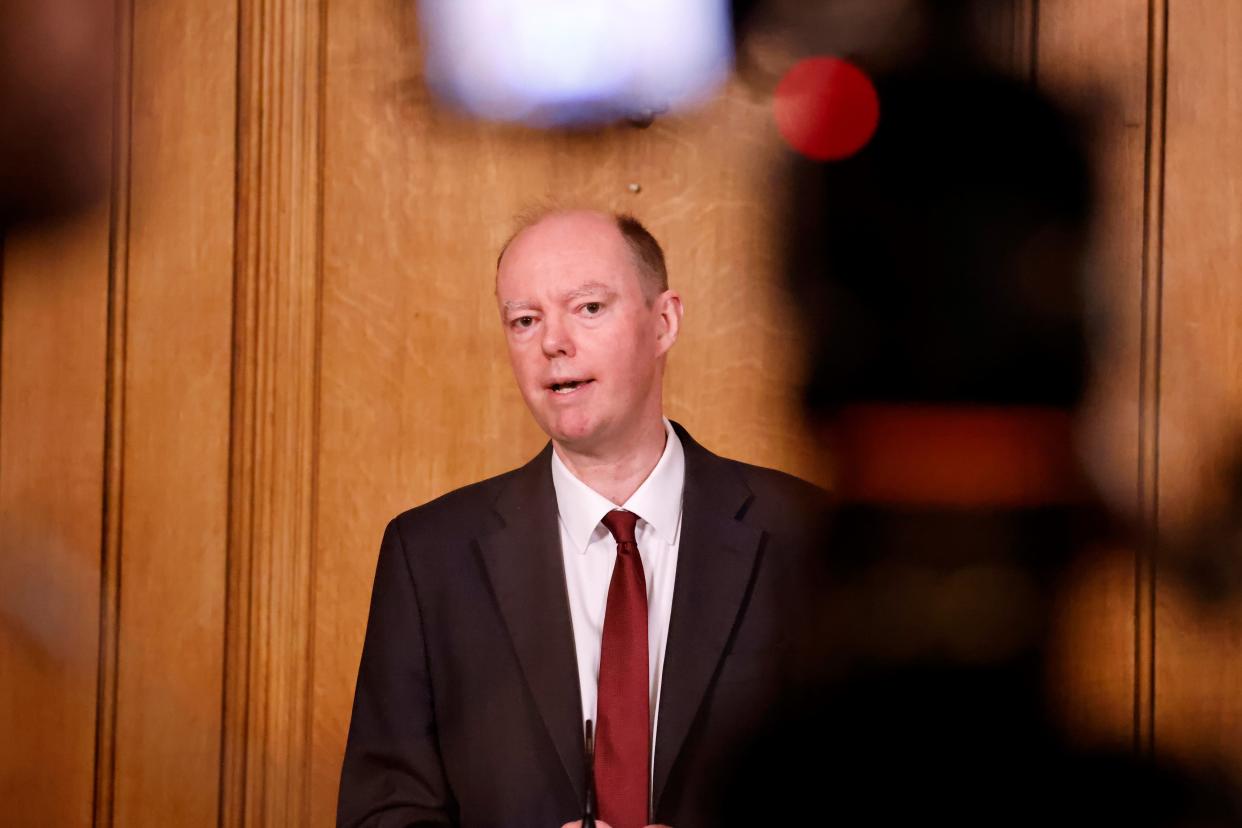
1201,380
1199,665
1095,58
176,389
55,300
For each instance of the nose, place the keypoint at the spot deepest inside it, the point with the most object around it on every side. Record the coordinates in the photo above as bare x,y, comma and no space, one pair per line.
556,341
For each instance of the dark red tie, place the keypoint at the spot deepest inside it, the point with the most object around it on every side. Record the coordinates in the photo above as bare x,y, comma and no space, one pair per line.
623,729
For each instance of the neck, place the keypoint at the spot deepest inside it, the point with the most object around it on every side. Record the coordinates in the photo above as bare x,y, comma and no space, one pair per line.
618,470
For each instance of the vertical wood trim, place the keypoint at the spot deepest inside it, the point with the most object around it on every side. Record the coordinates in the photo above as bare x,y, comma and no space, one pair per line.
1024,44
1152,297
267,712
321,88
114,424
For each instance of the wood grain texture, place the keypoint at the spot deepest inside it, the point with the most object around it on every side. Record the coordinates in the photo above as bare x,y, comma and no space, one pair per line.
1202,360
55,311
267,737
174,508
1199,665
1095,59
416,392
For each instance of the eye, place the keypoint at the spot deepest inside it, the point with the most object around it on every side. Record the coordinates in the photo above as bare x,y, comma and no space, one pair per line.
593,308
522,322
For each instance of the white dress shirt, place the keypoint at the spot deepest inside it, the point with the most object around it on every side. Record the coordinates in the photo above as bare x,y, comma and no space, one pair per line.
590,551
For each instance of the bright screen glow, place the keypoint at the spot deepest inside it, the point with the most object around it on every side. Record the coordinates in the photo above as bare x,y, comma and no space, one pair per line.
565,62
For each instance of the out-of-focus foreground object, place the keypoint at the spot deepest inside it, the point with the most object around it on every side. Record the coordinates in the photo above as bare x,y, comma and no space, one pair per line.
826,108
940,271
575,62
56,69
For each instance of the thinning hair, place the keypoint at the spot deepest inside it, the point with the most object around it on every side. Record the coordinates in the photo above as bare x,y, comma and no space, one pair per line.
646,252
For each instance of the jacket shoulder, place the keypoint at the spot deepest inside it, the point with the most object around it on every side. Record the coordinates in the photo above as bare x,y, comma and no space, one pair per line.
459,513
780,486
775,488
781,502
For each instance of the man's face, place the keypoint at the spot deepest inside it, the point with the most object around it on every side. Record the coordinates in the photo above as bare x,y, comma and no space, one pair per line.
586,346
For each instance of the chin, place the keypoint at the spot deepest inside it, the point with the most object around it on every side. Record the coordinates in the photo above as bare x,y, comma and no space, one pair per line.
573,430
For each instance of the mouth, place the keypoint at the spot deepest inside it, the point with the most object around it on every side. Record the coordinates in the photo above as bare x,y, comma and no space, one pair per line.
566,387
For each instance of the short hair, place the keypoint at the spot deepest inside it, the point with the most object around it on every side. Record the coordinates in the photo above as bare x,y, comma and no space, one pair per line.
646,251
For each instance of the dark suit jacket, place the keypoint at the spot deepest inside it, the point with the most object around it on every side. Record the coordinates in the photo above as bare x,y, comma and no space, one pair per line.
467,710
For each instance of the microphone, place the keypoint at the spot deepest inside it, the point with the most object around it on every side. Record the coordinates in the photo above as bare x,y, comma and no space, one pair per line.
588,815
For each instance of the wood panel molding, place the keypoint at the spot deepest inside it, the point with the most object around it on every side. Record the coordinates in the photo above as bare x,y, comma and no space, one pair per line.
114,425
275,374
1008,33
1025,47
1151,310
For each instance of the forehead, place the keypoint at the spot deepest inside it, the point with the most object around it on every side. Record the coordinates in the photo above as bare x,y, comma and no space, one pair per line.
564,251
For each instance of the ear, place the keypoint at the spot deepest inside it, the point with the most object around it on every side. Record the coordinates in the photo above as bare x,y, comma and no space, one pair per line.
669,312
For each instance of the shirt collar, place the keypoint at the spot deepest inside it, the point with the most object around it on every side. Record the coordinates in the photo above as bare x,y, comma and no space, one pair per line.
657,501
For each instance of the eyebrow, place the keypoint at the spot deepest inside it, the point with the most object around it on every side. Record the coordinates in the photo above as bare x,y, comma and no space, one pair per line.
586,289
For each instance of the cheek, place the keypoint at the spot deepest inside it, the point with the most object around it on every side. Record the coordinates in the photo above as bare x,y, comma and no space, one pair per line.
521,361
627,344
643,344
631,363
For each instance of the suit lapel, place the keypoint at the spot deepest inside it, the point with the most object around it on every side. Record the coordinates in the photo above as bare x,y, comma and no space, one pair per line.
527,573
715,562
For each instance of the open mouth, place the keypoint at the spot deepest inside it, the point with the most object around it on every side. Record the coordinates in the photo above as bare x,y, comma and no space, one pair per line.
569,386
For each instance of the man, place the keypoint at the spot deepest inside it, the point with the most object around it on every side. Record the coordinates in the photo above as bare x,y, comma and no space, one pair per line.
625,576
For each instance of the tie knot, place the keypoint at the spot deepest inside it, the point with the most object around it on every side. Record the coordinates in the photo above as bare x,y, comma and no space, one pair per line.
621,524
